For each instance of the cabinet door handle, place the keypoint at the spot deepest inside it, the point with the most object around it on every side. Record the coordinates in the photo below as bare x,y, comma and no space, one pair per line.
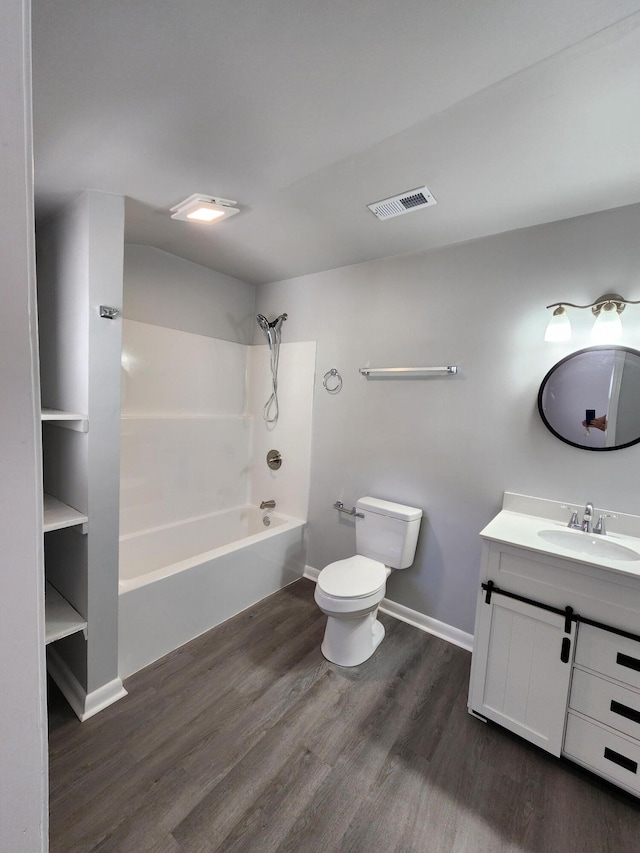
625,711
566,650
629,662
620,760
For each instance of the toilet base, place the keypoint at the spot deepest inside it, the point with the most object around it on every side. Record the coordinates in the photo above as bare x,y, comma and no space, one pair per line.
351,641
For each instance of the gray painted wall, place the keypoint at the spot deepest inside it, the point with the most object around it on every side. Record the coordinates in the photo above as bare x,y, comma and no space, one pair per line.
453,445
23,736
165,290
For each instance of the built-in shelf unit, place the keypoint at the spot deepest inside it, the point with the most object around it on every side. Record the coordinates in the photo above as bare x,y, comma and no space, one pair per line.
61,619
80,269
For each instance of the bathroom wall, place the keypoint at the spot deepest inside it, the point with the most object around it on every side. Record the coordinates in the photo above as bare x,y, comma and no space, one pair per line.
452,445
212,304
23,717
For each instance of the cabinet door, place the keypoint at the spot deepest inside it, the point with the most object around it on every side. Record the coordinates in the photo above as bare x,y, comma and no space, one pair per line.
522,670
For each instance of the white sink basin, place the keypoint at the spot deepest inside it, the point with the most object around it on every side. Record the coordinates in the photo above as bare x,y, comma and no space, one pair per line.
592,546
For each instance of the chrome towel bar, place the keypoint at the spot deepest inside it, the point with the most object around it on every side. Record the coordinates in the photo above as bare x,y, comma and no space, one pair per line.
448,370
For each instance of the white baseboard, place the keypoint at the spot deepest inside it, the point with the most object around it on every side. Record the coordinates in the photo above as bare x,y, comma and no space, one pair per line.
311,573
84,704
415,618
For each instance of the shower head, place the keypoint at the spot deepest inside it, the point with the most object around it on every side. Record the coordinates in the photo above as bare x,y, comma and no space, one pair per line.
263,322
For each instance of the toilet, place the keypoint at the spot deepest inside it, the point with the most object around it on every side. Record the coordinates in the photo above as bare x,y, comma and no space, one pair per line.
349,591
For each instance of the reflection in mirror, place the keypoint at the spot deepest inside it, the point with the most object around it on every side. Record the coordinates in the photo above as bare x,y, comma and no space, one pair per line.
591,399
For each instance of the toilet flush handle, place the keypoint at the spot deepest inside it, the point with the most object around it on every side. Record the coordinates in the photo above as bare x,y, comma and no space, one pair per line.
340,507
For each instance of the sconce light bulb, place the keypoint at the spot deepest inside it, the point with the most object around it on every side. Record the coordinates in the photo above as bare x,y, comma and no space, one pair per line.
608,326
559,326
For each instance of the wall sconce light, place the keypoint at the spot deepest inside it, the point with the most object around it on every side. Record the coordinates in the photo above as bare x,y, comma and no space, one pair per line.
607,327
204,208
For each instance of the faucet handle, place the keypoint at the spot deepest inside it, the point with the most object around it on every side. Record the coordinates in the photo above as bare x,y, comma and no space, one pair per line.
573,522
600,528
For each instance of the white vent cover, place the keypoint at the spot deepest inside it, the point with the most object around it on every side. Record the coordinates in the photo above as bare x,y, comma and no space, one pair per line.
403,203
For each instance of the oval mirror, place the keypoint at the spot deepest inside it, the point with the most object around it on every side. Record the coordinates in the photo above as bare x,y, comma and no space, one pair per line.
591,399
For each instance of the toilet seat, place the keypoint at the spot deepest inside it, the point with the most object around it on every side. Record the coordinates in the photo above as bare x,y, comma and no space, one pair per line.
356,577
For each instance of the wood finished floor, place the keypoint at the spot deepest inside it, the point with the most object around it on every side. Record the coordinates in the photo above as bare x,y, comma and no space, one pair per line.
247,739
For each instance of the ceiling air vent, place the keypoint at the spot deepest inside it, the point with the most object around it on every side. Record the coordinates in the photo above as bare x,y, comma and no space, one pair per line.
403,203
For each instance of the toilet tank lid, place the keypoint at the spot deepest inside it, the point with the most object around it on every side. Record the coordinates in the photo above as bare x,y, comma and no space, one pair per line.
393,510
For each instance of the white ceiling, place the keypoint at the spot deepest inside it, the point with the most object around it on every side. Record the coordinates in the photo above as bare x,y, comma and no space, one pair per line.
512,112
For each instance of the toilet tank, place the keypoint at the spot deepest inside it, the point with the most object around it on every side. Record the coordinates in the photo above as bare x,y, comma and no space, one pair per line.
388,532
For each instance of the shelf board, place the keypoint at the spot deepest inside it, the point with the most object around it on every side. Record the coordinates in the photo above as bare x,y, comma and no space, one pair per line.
68,420
58,515
61,619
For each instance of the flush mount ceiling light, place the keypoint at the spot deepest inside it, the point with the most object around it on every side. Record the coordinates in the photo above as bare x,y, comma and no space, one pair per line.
607,327
204,208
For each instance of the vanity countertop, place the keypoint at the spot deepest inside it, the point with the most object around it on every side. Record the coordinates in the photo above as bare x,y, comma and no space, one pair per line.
533,524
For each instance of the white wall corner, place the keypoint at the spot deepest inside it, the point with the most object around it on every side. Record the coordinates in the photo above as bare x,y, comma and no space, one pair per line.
413,617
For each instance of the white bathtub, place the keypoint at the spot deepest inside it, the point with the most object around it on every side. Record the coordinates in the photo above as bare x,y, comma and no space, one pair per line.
178,581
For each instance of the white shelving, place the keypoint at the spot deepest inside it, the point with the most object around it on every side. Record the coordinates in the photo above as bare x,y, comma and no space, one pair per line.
58,515
61,619
68,420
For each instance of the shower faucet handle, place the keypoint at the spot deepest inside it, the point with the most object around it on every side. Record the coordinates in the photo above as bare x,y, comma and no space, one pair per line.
274,459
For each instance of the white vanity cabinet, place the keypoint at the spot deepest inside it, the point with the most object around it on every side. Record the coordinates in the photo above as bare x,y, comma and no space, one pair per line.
556,654
603,723
523,669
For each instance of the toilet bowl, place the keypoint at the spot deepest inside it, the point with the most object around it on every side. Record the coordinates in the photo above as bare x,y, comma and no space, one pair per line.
349,591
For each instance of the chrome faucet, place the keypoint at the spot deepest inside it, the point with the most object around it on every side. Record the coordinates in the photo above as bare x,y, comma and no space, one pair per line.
587,520
268,505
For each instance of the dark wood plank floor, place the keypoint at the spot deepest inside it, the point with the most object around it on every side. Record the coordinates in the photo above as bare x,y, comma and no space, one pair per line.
247,739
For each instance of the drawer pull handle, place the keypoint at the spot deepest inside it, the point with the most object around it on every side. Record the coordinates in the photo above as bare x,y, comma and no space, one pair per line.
566,649
626,660
625,711
621,760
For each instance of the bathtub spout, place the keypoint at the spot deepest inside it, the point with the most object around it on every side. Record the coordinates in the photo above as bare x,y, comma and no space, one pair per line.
268,505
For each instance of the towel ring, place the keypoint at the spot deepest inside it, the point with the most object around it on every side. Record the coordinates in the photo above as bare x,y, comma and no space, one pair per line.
332,381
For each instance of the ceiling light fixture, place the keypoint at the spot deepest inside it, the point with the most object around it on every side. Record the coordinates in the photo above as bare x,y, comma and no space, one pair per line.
607,327
204,208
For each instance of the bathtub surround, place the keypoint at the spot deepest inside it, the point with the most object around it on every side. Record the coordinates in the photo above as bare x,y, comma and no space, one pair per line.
186,438
194,549
452,445
289,485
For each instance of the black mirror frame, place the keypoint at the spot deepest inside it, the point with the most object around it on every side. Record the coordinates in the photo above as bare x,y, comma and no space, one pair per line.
553,369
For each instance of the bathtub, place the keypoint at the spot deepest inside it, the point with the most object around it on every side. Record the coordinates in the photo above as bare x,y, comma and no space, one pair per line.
180,580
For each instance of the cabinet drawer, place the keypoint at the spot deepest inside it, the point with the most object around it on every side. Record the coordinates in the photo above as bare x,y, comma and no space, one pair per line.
606,753
617,657
616,706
